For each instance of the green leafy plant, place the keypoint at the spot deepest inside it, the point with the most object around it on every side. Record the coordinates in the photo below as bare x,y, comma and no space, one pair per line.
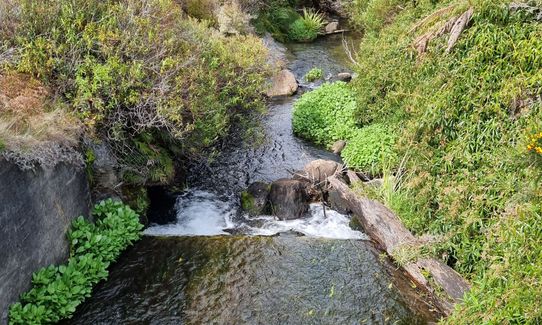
58,290
314,74
370,149
306,28
326,114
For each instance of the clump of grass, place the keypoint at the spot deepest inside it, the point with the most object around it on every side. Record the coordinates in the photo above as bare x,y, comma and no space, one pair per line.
314,74
306,28
472,178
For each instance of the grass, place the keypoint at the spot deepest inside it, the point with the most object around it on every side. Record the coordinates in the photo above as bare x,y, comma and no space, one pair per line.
469,176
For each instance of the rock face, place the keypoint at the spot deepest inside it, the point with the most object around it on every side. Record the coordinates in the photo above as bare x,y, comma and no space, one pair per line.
283,84
288,199
254,200
337,7
319,170
36,210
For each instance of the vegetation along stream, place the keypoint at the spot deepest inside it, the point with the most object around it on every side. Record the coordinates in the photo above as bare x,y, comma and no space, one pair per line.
315,270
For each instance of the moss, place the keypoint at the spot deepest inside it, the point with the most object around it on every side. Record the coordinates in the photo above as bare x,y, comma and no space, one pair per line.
137,197
247,202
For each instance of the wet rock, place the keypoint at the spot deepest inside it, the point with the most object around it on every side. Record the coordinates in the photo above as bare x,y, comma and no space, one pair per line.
338,147
344,76
288,199
319,170
283,84
332,27
337,202
277,52
255,199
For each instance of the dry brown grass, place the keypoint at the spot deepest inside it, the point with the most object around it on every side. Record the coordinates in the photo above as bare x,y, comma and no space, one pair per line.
30,118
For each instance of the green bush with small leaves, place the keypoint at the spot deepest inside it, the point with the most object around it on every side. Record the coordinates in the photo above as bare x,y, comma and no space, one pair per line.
58,290
326,114
314,74
371,149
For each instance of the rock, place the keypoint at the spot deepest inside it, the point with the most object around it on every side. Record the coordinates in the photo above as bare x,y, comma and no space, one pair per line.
288,199
337,202
344,76
254,200
277,52
332,27
283,84
336,7
338,147
319,170
37,208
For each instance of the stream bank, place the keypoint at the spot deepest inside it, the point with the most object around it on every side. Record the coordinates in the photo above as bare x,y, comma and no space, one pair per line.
191,269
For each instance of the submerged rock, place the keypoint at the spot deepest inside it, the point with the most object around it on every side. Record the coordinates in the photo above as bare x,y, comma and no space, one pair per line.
288,199
283,84
254,200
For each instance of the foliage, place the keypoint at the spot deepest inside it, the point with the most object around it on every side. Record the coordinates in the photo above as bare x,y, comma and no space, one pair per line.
306,28
276,19
464,118
58,290
326,114
371,149
314,74
133,67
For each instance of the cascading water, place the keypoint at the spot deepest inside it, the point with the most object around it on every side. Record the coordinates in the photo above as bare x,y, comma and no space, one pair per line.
215,265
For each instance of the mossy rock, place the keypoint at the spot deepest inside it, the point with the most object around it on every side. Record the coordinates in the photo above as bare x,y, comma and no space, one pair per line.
255,199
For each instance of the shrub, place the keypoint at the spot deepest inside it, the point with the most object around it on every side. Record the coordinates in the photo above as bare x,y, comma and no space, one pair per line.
326,114
306,28
58,290
132,67
314,74
276,20
371,149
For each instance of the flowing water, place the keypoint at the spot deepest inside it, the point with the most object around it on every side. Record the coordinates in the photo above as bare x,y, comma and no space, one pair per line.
212,264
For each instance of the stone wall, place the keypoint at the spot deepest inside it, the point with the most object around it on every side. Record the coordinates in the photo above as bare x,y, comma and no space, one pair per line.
36,210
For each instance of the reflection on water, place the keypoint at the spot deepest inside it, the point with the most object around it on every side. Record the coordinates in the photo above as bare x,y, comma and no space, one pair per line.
251,280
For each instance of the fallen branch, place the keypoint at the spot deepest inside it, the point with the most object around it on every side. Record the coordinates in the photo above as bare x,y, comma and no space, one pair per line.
379,223
458,28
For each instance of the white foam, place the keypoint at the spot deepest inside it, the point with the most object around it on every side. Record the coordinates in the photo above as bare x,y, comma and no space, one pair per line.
331,225
201,213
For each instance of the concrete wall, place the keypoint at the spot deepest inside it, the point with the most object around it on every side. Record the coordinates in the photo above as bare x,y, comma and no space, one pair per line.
36,210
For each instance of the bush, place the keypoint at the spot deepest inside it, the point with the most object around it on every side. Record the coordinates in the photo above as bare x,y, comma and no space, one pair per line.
314,74
133,67
371,149
306,28
58,290
326,114
277,19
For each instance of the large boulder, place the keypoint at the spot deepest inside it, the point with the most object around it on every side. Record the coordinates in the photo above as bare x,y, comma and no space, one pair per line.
318,170
254,200
283,84
288,199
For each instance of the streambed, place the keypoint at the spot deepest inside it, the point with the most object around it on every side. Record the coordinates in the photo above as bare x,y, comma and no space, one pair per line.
211,264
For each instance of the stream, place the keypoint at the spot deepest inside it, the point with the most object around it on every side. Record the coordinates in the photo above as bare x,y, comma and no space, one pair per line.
209,263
